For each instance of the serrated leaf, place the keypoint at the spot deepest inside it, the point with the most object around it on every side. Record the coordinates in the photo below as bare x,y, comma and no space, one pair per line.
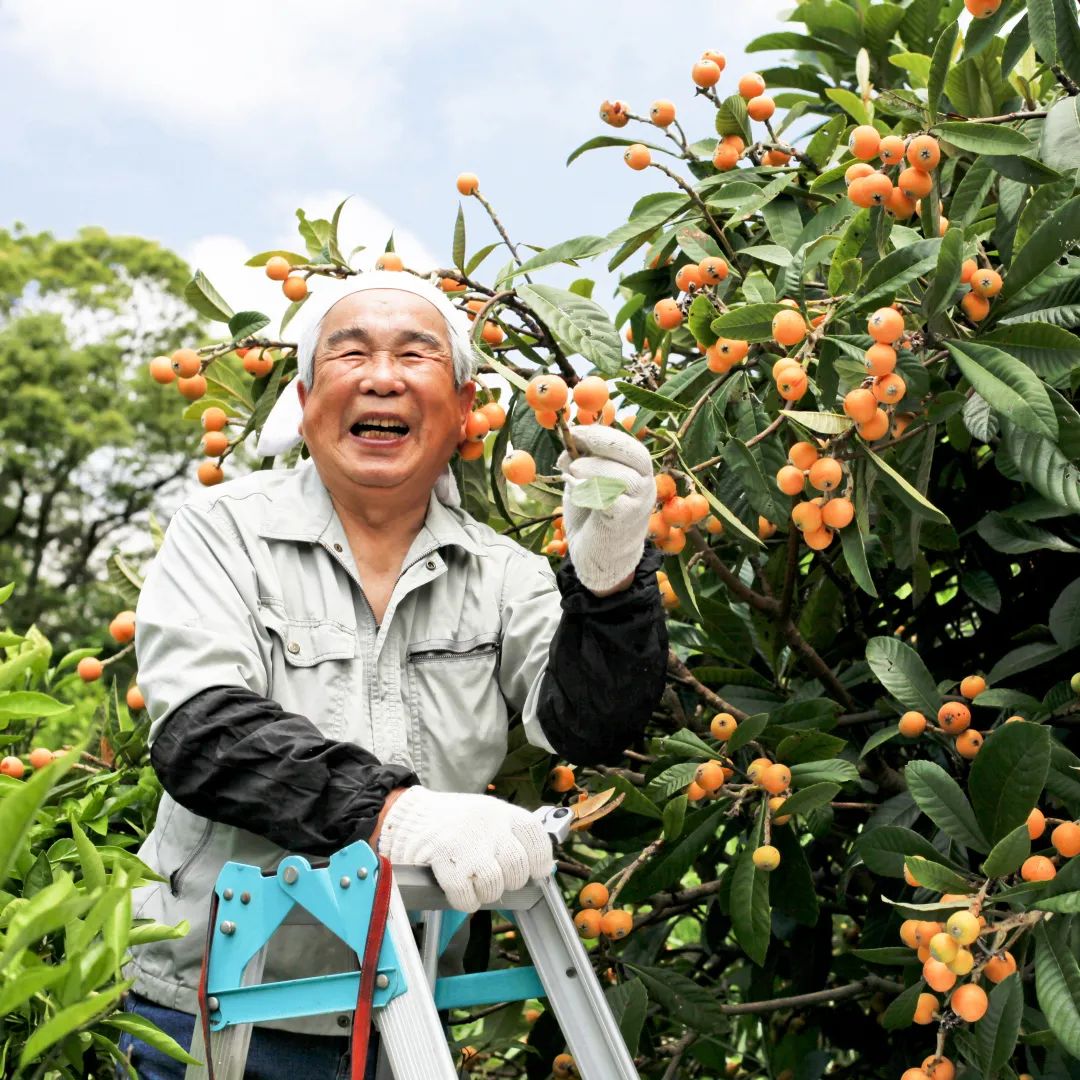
904,491
1054,236
996,1033
69,1020
946,279
751,322
930,874
601,141
887,277
458,247
265,256
773,254
206,300
748,730
899,668
629,1003
581,325
1008,854
940,797
901,1010
824,423
1007,777
854,550
1044,466
580,247
1052,352
246,323
884,848
649,399
750,911
1057,986
1017,537
1008,385
985,138
809,798
681,999
837,771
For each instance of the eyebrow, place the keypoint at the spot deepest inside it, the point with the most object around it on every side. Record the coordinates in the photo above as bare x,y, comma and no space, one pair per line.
359,334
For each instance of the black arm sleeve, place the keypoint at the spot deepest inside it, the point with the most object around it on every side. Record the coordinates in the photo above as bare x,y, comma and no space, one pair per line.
233,756
606,666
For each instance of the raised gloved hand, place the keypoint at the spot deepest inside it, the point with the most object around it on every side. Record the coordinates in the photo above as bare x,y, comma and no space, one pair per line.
477,846
606,545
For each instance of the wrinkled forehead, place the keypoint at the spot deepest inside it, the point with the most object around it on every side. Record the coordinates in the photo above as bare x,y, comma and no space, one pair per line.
379,311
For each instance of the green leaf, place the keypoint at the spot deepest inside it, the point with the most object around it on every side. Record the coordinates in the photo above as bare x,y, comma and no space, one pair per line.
912,498
939,68
246,323
458,248
1052,352
1057,986
946,279
748,730
568,251
761,198
1065,616
92,866
996,1033
751,917
897,956
1008,854
930,874
597,492
681,999
73,1018
879,738
939,796
581,325
206,300
649,399
20,988
884,848
1043,30
29,704
19,806
809,798
792,887
265,256
699,320
837,771
900,669
731,118
768,253
854,549
890,275
1009,386
672,779
684,743
1043,466
808,746
148,1032
1017,537
824,423
851,103
1049,241
601,141
674,817
1007,777
985,138
629,1003
901,1010
751,322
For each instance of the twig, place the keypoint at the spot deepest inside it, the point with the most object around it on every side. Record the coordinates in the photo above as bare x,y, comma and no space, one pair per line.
499,226
791,574
677,1052
1005,118
696,199
733,583
683,674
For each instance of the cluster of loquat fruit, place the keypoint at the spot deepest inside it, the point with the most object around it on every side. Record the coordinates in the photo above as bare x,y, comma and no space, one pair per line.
869,187
815,518
676,513
596,917
711,778
954,720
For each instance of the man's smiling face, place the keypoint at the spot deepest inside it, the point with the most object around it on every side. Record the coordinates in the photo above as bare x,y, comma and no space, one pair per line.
383,410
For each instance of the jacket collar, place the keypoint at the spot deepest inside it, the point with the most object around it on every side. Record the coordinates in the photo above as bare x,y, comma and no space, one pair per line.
301,509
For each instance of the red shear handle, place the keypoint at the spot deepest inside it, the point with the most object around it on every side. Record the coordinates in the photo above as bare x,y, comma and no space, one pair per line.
380,908
204,1012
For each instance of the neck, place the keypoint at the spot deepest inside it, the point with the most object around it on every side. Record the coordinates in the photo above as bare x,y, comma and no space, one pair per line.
394,515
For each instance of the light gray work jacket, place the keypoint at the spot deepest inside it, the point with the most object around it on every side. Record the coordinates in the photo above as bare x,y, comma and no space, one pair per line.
255,586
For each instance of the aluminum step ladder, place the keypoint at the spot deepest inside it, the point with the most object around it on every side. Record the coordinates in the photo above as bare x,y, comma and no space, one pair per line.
250,904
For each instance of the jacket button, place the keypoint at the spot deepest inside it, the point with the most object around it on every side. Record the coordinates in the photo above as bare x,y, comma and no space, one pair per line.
430,564
294,647
337,547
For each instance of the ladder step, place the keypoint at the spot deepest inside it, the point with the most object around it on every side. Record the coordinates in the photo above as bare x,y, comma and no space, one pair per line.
488,988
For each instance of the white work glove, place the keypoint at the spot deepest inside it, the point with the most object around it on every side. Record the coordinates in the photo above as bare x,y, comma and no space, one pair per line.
477,846
606,545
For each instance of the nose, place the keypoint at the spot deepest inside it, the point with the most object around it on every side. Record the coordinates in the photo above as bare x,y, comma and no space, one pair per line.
380,375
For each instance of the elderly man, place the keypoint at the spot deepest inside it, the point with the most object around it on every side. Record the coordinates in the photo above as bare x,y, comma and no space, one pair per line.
333,653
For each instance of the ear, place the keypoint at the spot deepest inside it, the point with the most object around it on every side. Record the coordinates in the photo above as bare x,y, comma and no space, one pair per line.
466,400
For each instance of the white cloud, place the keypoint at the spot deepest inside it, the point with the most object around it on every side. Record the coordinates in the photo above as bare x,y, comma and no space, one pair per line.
237,69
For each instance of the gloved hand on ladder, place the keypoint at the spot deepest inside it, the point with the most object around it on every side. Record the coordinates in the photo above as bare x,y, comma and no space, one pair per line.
477,847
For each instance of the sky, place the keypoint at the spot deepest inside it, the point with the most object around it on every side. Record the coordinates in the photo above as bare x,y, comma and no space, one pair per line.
204,125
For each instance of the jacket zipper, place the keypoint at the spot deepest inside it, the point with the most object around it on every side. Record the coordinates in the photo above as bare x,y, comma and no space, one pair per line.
176,878
443,655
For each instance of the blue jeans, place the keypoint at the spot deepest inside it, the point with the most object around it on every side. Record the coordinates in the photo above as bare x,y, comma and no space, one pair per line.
274,1055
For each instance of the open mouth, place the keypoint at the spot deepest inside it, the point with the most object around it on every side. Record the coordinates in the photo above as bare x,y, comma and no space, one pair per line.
380,429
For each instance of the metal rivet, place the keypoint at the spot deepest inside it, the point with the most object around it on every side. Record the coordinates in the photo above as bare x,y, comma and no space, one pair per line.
245,898
227,894
290,875
571,973
228,927
362,873
213,1004
345,882
343,1021
430,564
337,547
294,647
382,981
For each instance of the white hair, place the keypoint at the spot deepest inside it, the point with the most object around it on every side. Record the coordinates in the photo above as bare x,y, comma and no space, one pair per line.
458,329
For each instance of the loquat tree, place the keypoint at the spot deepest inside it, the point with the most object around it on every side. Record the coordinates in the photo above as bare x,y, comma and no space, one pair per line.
843,323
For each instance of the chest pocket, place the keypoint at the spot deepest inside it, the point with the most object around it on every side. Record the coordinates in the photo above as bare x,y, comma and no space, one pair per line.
457,711
315,667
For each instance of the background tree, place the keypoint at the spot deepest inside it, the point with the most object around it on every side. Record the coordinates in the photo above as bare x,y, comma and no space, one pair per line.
86,442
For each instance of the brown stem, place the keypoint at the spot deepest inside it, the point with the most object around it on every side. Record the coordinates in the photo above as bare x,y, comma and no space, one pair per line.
683,674
816,664
1005,118
791,575
696,199
839,993
733,583
499,226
